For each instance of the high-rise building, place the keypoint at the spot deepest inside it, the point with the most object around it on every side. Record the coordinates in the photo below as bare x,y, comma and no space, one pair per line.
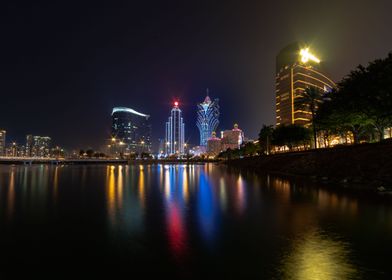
175,132
131,131
207,118
37,146
29,145
297,69
2,142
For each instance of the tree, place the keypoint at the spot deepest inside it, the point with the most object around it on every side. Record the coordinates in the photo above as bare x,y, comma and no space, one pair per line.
90,153
337,117
249,149
309,100
368,91
265,136
291,136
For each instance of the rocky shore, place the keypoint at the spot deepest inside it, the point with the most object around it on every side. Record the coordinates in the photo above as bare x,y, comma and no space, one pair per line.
365,165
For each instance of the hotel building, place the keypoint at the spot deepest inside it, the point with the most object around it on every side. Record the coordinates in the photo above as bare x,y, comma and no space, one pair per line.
297,69
175,132
131,131
207,119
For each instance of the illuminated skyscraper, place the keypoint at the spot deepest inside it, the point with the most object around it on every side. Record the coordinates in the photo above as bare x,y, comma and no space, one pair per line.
2,142
207,118
175,132
296,69
37,146
131,131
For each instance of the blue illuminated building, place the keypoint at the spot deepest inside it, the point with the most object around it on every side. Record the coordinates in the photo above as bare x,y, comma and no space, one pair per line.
207,118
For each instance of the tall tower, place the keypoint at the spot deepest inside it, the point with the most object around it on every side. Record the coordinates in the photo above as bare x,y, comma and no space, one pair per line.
207,118
175,132
297,69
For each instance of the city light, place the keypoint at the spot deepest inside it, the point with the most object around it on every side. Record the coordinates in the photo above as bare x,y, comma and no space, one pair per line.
176,103
306,56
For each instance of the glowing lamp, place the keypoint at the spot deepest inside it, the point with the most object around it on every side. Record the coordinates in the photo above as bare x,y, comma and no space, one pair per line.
176,103
306,56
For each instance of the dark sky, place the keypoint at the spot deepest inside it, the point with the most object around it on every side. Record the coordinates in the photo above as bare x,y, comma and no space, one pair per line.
64,64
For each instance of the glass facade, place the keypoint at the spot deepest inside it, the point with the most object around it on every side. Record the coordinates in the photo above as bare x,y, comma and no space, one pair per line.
131,131
296,70
207,119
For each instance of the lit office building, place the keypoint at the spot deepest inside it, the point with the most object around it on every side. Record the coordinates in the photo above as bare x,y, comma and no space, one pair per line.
131,131
37,146
207,118
2,142
232,139
175,132
297,69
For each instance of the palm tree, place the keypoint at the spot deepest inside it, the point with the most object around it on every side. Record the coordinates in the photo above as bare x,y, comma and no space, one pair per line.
309,100
265,137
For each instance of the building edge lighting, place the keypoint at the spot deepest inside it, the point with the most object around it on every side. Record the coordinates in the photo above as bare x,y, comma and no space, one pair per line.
128,110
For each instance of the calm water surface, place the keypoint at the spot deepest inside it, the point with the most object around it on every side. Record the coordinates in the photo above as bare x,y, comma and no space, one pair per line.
187,222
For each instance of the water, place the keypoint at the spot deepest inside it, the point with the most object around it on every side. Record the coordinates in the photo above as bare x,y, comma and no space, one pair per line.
187,222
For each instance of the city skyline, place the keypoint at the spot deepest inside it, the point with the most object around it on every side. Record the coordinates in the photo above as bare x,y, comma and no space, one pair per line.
43,71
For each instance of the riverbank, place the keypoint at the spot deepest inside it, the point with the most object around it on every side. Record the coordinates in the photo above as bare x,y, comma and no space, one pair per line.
28,161
365,165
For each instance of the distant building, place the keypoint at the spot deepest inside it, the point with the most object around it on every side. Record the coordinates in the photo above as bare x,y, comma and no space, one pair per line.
2,142
214,145
198,150
175,132
131,131
297,69
207,118
29,145
232,139
37,146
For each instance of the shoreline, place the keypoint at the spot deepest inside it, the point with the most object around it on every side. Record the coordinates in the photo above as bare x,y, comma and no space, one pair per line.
49,161
363,166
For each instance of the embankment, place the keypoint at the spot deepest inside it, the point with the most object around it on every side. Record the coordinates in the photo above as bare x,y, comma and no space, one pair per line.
365,165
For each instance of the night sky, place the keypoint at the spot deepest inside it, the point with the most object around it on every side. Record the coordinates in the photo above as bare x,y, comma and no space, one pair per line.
64,64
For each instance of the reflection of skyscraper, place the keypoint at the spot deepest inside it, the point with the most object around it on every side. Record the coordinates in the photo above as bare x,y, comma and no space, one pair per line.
296,69
2,142
175,132
131,129
207,118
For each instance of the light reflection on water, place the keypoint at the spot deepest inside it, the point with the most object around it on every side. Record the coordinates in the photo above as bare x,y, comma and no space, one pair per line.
315,256
237,221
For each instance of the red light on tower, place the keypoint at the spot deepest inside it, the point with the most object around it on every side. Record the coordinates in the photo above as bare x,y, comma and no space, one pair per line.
176,103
